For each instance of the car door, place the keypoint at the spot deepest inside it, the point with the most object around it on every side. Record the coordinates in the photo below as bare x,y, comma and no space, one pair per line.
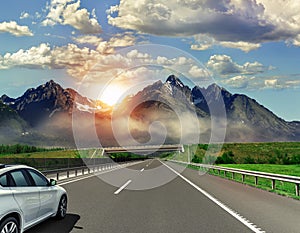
26,195
48,194
7,201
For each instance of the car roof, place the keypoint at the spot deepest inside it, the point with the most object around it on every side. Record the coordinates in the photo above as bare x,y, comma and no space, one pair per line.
9,167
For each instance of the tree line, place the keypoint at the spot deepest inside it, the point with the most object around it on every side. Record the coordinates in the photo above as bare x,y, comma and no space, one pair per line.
19,149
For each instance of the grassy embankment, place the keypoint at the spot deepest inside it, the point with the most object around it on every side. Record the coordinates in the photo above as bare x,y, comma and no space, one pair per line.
53,158
277,157
46,158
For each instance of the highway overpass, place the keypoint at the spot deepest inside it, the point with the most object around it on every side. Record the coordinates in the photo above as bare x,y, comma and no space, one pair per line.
144,149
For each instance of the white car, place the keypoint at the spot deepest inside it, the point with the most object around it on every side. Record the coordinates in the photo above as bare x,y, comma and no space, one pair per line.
27,197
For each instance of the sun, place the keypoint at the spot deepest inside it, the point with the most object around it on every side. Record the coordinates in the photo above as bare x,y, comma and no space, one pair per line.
112,94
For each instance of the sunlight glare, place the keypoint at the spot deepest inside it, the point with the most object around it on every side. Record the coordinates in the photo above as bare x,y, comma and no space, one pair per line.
112,95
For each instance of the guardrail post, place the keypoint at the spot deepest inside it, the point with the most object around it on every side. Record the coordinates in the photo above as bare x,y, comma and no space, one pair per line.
68,174
233,175
297,189
75,172
219,172
57,176
256,180
243,178
273,184
82,171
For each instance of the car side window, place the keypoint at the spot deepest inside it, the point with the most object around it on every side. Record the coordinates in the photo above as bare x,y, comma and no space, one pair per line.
4,180
19,178
38,178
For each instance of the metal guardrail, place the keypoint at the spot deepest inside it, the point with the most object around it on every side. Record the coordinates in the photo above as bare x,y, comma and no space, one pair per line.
77,171
271,176
83,170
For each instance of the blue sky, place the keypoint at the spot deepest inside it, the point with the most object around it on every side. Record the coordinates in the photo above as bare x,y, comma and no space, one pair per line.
250,47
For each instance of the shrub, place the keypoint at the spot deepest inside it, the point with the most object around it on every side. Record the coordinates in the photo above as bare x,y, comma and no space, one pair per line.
226,158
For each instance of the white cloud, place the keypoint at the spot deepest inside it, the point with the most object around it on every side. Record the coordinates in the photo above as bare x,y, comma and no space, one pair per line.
296,41
238,82
224,65
204,42
112,9
135,54
106,47
122,40
133,65
261,83
75,60
66,12
244,46
79,61
13,28
201,47
271,82
24,15
88,39
230,23
35,57
198,72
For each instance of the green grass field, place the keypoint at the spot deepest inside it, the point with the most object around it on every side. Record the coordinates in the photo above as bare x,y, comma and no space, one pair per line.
264,153
244,153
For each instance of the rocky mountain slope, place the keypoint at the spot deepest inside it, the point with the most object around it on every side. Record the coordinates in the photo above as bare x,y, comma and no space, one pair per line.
46,113
246,119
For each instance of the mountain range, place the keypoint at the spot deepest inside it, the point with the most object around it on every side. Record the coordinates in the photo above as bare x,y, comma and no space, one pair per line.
164,112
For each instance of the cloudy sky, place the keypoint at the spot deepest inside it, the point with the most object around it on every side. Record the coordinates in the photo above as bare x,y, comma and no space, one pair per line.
247,46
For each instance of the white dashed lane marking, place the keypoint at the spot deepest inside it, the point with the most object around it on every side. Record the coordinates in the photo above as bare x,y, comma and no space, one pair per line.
122,187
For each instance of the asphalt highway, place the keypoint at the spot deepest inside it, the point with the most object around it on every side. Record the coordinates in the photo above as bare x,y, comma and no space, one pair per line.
150,197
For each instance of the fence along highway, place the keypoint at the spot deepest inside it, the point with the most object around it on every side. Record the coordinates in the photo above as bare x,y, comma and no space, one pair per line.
188,203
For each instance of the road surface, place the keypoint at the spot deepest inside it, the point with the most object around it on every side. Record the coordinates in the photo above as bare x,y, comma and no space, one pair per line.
190,203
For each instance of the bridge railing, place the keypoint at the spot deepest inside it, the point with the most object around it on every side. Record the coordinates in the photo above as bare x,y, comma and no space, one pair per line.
255,174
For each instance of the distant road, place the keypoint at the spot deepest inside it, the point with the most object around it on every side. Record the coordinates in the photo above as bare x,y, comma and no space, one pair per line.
176,207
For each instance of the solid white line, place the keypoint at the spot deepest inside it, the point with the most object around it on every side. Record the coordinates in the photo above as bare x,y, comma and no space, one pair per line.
122,187
220,204
142,169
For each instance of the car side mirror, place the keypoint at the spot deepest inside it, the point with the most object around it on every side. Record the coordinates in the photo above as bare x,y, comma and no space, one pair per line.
53,182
